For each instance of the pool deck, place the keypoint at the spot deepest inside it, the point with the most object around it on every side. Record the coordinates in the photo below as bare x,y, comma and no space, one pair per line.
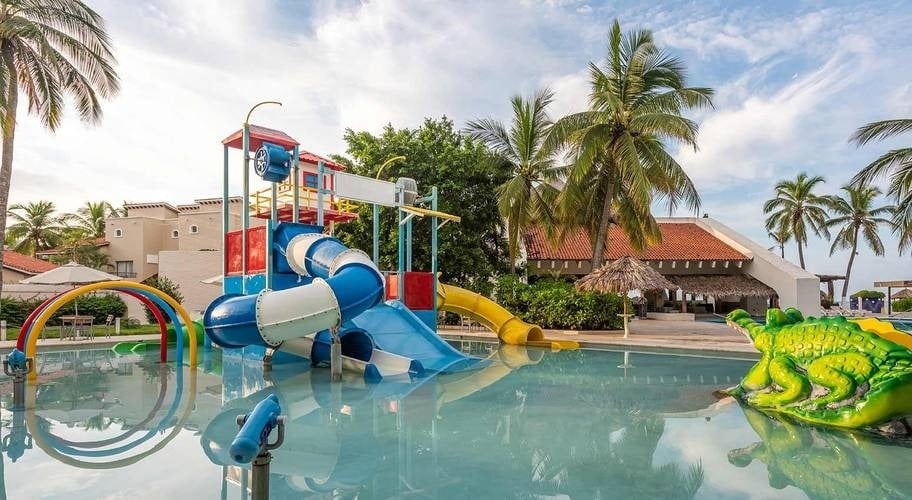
685,335
644,334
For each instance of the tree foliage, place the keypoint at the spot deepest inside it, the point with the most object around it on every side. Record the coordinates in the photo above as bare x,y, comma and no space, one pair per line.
798,209
435,155
165,285
35,227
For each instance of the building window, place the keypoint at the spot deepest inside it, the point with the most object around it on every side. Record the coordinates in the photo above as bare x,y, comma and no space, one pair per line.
175,234
118,233
310,180
124,269
194,229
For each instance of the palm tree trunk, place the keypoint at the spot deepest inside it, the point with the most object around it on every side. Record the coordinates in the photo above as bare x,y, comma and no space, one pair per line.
598,247
800,255
845,282
9,132
782,250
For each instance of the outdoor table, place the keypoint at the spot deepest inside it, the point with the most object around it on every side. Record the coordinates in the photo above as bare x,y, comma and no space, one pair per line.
72,326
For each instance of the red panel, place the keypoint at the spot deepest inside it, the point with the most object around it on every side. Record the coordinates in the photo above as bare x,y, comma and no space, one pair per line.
392,286
233,256
256,249
419,290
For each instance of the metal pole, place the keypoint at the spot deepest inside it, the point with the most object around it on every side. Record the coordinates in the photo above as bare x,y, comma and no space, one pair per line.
226,217
320,193
408,244
273,218
335,359
401,244
259,483
246,201
434,248
296,186
376,252
18,372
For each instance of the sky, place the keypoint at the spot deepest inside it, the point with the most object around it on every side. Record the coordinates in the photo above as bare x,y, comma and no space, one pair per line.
793,80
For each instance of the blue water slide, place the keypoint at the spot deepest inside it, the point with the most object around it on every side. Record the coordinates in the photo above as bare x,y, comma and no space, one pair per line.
345,284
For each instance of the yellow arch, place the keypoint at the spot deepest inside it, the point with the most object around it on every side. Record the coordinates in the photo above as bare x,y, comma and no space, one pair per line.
42,319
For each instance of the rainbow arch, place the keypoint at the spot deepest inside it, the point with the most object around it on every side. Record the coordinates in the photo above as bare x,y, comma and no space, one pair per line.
37,320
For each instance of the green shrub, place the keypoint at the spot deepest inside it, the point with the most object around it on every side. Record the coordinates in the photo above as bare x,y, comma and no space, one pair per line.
902,305
556,304
868,294
168,287
15,311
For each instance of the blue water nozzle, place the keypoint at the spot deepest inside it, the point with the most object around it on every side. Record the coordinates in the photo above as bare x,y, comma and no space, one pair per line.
255,430
272,162
16,360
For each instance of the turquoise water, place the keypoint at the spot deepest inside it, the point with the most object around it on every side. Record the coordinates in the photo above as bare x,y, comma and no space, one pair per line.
533,424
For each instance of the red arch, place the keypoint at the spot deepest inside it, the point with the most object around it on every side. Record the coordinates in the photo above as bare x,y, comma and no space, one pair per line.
163,349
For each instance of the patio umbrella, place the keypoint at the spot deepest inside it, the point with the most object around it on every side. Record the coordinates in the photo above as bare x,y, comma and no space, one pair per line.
622,276
71,274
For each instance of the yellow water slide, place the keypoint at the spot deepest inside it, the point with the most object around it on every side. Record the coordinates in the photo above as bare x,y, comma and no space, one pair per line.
886,330
508,327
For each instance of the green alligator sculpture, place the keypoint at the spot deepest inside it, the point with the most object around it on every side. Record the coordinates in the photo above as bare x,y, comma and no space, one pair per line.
826,371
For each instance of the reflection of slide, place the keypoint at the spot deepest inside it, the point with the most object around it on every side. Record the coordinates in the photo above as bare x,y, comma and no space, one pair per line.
502,361
508,327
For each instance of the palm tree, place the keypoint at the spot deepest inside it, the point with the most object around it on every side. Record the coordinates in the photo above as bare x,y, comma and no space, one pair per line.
780,236
35,227
49,50
854,215
90,218
620,164
526,199
797,208
897,164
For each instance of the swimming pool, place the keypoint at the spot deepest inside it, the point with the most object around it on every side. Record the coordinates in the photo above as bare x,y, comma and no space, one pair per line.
531,424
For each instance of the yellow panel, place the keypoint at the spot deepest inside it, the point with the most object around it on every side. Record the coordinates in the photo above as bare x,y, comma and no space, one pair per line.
886,330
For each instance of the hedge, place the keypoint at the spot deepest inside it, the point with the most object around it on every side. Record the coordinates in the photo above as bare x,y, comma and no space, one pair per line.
15,311
868,294
557,305
902,305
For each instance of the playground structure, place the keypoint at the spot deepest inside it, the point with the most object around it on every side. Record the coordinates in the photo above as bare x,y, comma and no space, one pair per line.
291,288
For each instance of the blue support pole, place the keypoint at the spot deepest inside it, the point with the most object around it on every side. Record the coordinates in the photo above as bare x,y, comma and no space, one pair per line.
270,228
246,207
296,186
408,244
320,193
226,220
401,244
434,247
376,249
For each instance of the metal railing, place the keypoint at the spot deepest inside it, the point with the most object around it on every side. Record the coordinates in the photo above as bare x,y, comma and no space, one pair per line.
123,274
261,201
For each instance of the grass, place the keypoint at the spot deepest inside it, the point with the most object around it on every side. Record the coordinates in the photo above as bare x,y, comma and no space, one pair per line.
53,332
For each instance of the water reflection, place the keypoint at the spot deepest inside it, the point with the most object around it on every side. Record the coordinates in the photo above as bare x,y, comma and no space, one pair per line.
825,463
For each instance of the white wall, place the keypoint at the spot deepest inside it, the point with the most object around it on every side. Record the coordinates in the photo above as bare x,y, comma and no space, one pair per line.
187,269
796,287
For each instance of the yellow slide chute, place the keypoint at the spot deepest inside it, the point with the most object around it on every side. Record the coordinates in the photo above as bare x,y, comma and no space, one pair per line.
886,330
508,327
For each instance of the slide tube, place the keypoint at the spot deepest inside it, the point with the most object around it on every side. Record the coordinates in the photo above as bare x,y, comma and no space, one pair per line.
346,283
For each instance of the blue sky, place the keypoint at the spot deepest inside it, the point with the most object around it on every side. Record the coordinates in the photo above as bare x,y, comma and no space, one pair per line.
793,80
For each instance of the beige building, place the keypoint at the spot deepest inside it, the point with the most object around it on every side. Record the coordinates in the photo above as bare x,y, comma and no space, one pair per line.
183,244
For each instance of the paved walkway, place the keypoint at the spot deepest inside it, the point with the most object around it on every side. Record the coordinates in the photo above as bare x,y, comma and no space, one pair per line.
687,335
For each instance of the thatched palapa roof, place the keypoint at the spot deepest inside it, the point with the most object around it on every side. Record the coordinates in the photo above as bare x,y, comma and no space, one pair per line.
905,293
722,284
623,275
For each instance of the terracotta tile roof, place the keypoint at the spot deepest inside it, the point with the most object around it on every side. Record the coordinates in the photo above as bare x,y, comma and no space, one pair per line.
98,242
312,159
25,264
680,241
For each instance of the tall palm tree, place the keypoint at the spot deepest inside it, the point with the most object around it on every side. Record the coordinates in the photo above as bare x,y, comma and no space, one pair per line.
798,208
49,50
897,164
527,197
854,214
781,235
35,227
620,164
90,218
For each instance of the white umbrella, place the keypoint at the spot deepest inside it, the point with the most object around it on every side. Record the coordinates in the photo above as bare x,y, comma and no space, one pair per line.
71,274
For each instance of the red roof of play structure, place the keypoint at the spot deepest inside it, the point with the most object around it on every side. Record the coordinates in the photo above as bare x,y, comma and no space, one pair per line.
258,135
312,159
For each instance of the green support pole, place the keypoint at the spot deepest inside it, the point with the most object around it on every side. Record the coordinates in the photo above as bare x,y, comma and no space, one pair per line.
434,248
226,220
376,249
246,208
296,185
320,193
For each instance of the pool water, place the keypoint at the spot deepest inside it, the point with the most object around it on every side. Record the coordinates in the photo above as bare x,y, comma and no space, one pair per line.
530,424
